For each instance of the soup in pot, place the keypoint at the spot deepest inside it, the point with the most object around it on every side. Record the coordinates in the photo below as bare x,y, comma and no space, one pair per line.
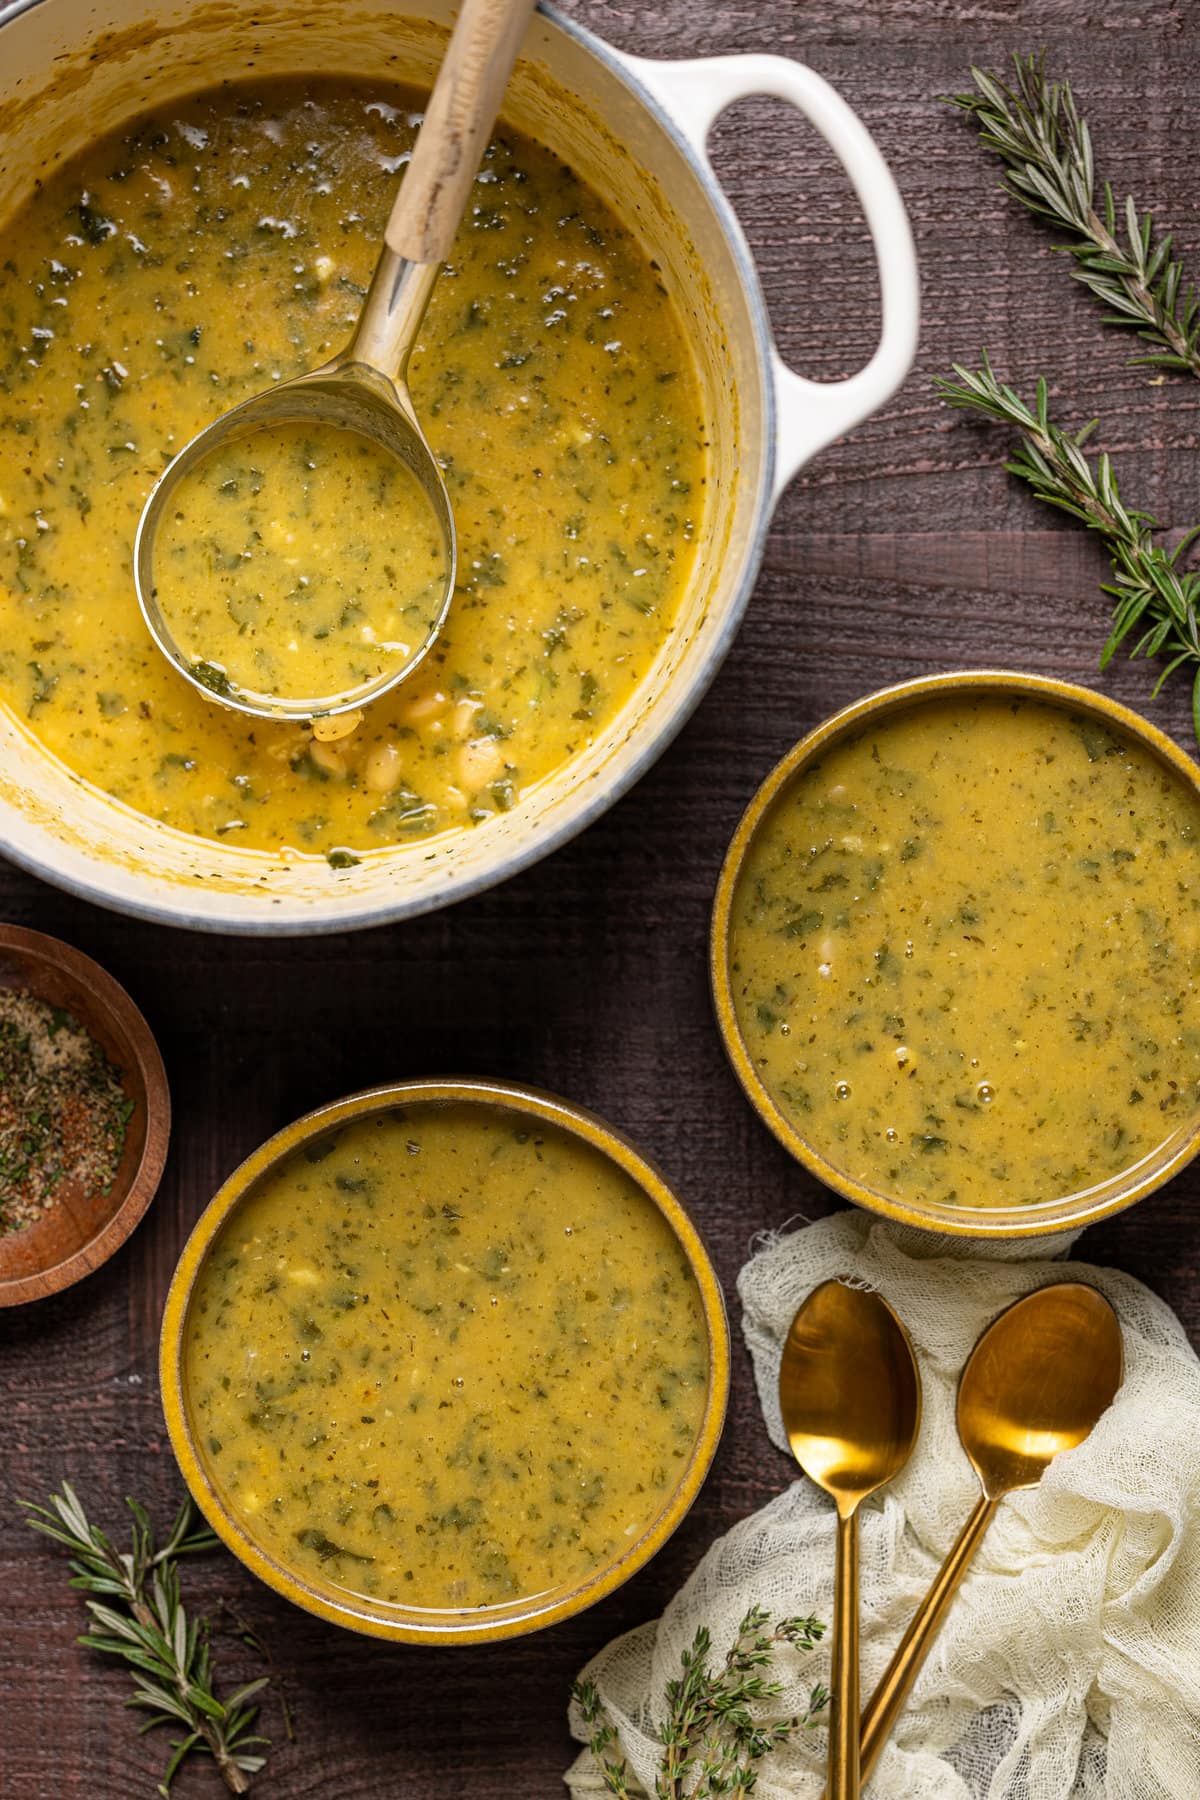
225,243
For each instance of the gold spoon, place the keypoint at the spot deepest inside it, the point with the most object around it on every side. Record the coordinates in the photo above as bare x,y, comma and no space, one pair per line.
1034,1385
851,1402
364,390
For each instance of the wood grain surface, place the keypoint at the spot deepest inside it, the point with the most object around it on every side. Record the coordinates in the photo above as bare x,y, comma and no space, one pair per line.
903,549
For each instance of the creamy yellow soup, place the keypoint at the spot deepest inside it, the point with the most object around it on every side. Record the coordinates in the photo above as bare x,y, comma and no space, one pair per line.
447,1358
965,953
301,562
225,243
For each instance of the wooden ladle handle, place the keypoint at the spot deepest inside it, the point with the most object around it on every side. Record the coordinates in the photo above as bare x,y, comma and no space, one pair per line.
462,110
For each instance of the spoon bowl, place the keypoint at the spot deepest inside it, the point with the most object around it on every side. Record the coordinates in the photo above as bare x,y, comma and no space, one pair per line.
1036,1382
849,1392
850,1397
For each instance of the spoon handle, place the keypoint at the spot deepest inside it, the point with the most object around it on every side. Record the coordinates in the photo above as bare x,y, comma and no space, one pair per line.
843,1724
895,1685
462,110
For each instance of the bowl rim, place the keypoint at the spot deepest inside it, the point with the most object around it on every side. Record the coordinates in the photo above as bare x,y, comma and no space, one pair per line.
358,1613
165,901
24,944
1075,1211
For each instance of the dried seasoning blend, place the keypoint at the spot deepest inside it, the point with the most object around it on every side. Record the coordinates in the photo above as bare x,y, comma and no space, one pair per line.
63,1110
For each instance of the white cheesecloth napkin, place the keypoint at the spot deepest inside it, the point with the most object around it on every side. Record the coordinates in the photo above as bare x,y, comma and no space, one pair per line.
1069,1665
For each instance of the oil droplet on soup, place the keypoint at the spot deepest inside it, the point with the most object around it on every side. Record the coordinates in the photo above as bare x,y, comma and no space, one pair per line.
300,561
965,954
214,248
446,1358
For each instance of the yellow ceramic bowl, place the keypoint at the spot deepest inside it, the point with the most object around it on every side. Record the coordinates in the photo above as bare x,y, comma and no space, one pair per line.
1078,1209
414,1624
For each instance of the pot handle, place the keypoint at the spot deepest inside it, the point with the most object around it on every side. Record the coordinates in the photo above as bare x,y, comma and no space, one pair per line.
810,414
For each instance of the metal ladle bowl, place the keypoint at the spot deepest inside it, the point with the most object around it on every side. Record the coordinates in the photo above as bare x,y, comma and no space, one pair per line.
364,390
351,393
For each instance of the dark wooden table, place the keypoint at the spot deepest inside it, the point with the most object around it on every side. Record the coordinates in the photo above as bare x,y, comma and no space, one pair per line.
903,549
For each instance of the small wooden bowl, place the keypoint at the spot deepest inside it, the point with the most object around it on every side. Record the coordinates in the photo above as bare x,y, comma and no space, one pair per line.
82,1230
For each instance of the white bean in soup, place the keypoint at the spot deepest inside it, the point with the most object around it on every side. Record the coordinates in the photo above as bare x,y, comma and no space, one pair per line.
224,243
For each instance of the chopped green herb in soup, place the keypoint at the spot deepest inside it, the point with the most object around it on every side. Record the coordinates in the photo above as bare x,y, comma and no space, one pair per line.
965,950
301,562
446,1358
225,243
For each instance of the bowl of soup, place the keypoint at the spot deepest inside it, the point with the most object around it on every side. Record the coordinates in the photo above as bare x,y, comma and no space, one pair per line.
193,198
956,954
445,1361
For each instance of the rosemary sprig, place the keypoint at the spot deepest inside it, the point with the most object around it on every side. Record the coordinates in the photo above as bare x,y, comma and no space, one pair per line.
1035,128
138,1615
1150,589
710,1741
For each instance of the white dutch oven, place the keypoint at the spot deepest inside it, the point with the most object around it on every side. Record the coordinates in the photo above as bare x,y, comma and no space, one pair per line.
636,130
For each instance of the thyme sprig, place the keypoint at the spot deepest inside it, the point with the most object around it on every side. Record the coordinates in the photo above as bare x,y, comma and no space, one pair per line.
711,1741
1153,595
1046,147
137,1614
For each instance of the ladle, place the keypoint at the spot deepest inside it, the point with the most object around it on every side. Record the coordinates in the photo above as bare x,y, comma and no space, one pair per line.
364,390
